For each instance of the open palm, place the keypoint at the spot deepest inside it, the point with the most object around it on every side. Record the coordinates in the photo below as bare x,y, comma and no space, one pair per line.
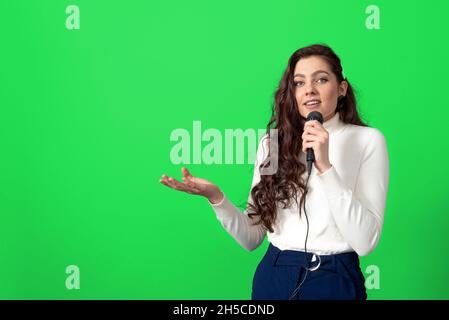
193,185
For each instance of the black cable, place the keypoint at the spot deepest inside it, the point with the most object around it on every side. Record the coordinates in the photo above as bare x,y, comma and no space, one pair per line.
296,291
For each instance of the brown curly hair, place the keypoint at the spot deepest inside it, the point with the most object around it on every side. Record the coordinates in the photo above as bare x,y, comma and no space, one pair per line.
283,186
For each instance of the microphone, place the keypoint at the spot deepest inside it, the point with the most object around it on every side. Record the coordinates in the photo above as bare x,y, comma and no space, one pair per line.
314,115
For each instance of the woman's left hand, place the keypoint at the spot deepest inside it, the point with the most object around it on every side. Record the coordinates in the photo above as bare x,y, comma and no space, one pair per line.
317,138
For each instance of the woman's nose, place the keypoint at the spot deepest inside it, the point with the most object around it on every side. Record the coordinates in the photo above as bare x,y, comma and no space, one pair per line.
309,88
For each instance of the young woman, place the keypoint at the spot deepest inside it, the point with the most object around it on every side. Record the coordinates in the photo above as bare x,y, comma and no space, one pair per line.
314,244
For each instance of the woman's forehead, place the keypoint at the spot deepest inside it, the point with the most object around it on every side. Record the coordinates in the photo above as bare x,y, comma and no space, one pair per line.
310,65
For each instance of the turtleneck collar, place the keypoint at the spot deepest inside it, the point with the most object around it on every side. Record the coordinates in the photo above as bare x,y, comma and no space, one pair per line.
334,124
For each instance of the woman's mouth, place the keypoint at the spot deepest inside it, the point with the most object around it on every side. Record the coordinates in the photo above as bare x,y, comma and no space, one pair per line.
312,104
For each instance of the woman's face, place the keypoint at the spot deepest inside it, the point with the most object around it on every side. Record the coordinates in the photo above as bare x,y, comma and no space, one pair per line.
315,81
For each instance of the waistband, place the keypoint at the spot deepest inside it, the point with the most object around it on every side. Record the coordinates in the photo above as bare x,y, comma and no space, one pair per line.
297,258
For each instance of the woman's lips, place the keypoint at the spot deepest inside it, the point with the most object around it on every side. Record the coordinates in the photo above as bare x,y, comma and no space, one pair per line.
313,106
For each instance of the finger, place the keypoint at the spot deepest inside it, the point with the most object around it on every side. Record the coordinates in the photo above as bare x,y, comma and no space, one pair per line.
313,124
312,137
164,181
308,137
308,145
175,184
313,130
190,180
170,182
178,185
304,147
187,176
186,173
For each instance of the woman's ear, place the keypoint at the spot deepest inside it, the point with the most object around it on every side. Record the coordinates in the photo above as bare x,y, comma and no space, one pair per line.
343,87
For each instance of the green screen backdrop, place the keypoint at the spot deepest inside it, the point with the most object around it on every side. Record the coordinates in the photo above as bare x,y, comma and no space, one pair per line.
87,112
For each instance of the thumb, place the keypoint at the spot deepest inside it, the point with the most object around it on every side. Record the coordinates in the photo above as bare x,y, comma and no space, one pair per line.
186,173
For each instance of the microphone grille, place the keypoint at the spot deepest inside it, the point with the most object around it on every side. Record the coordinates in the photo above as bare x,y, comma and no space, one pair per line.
315,115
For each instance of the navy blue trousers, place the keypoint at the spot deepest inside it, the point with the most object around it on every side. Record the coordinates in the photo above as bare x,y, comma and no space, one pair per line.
338,276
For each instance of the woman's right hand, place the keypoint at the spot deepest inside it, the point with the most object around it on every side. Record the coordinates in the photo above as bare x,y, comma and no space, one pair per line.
194,185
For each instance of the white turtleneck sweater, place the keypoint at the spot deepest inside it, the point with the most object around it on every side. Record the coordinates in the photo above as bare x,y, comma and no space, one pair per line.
345,204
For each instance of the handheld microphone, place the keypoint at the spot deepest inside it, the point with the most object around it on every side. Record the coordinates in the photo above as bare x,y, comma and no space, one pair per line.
314,115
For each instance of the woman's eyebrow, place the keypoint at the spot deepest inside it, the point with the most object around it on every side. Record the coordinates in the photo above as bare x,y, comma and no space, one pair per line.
318,71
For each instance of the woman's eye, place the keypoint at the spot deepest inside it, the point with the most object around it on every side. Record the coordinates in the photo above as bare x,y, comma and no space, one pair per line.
300,83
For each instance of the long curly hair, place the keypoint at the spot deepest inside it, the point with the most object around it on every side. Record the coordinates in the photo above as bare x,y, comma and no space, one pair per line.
283,186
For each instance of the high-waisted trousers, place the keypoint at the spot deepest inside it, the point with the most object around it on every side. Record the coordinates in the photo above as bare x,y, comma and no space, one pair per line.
334,277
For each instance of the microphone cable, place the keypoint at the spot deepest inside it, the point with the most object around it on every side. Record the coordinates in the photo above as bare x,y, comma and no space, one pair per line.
296,291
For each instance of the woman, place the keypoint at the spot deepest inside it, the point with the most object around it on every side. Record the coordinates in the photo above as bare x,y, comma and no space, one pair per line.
313,252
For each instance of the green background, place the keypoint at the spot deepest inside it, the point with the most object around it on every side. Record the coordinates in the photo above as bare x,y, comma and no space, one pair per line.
86,117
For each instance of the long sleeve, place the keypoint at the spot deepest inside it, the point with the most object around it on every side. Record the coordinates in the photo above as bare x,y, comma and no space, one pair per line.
359,214
239,225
